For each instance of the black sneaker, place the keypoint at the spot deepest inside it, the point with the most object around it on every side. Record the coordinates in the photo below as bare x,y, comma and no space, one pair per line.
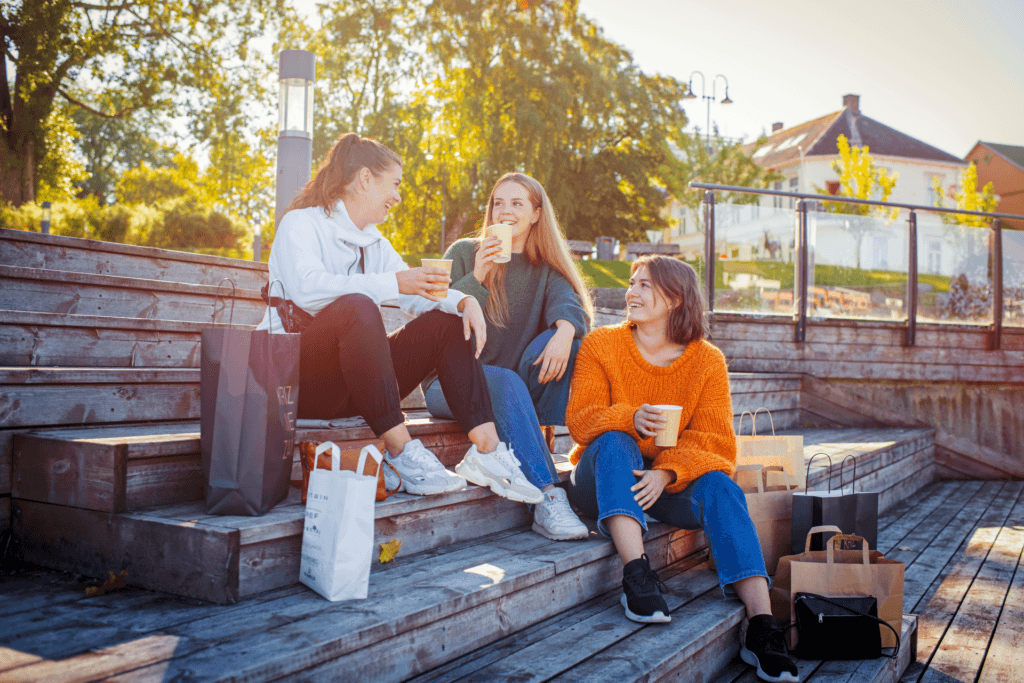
641,593
765,648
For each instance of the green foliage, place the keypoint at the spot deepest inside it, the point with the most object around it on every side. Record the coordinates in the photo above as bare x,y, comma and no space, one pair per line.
612,274
59,169
174,56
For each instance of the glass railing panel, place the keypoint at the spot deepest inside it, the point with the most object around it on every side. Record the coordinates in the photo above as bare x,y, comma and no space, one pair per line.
857,266
954,272
1013,278
755,248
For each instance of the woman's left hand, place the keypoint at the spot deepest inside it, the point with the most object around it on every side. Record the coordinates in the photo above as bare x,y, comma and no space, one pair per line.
651,484
554,359
473,321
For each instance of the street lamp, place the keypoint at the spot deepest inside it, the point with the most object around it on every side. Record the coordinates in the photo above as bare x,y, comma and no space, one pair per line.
690,95
297,73
44,224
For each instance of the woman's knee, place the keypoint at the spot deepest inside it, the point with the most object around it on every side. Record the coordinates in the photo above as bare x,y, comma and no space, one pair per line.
353,308
617,448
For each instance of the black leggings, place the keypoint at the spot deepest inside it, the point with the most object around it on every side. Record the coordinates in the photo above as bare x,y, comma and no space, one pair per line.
350,366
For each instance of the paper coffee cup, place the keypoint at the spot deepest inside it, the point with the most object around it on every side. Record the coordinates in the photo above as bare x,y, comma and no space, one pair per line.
504,233
668,434
444,264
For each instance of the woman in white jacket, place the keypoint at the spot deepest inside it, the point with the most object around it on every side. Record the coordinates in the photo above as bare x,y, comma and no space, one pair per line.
336,267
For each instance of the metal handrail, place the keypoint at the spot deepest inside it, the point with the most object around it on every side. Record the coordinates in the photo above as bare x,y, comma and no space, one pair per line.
849,200
801,280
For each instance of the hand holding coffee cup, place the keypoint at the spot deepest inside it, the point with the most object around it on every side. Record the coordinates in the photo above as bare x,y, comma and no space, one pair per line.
486,255
504,233
659,421
422,281
439,267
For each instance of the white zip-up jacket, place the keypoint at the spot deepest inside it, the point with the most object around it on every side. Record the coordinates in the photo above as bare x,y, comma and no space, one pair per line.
316,258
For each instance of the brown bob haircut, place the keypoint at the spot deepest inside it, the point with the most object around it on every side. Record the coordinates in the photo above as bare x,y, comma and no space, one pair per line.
349,155
677,282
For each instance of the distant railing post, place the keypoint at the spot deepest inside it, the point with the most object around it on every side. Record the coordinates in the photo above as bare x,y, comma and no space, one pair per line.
997,286
911,331
709,248
801,272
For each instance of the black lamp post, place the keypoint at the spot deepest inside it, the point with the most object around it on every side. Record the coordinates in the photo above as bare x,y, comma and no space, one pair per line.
690,95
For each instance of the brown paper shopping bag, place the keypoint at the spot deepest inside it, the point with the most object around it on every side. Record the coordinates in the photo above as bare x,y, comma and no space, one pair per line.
771,511
840,573
784,454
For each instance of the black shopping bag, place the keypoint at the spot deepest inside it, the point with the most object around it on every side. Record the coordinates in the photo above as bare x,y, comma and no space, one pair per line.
249,388
856,513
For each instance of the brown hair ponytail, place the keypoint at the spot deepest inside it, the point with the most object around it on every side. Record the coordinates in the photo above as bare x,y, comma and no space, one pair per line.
349,155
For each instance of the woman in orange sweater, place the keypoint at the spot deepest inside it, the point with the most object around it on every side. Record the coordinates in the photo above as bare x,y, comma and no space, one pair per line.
660,356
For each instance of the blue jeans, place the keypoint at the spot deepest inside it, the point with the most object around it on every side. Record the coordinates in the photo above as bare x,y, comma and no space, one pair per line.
599,488
521,404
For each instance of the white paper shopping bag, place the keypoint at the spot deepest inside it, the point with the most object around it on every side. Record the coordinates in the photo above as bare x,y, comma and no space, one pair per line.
337,541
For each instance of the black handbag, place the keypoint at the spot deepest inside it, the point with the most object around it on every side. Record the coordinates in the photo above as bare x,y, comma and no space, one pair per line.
840,627
293,319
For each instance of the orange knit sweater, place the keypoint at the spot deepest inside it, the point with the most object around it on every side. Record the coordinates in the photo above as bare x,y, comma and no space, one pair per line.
612,380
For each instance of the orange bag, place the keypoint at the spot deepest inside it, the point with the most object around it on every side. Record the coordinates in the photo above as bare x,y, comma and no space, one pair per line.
349,460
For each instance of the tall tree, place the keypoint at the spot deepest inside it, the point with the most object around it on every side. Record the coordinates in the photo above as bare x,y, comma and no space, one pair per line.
172,55
860,178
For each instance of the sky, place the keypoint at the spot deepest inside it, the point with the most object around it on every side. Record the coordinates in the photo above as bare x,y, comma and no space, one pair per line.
948,73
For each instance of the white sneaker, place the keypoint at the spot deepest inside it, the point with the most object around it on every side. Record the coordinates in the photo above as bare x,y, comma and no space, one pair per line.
499,471
422,473
553,518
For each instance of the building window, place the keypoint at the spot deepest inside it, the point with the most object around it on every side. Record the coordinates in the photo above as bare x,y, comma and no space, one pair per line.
794,182
930,188
777,201
934,257
832,186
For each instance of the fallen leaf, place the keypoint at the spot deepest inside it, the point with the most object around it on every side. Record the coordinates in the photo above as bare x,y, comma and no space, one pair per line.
113,582
903,547
389,550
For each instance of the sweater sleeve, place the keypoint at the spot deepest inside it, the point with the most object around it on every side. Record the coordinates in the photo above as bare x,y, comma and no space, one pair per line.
298,262
463,256
708,442
561,302
590,412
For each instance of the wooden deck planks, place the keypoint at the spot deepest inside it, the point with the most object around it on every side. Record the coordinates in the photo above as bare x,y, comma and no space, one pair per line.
941,601
962,651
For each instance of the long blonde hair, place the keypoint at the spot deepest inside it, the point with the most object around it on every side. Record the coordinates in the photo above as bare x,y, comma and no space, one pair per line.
544,244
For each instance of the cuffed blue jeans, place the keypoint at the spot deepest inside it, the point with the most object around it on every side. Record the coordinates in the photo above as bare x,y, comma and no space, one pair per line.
599,488
521,404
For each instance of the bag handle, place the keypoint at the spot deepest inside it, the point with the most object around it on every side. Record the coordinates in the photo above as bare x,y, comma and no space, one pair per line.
753,424
270,327
335,454
842,468
883,622
231,317
770,418
819,530
808,475
830,549
753,421
369,450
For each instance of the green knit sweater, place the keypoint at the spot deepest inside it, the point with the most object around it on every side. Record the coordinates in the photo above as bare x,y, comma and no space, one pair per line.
538,295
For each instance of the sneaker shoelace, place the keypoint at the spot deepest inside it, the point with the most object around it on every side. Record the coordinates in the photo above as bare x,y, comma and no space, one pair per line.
507,457
419,455
773,641
646,583
559,505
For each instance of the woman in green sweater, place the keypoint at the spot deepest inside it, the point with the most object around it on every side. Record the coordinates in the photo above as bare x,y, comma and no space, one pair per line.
537,309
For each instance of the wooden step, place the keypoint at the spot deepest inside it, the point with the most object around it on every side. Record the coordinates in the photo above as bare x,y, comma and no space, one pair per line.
54,291
124,468
508,607
56,252
253,554
34,338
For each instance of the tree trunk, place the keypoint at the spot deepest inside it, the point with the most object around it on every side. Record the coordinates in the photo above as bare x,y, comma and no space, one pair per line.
17,184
